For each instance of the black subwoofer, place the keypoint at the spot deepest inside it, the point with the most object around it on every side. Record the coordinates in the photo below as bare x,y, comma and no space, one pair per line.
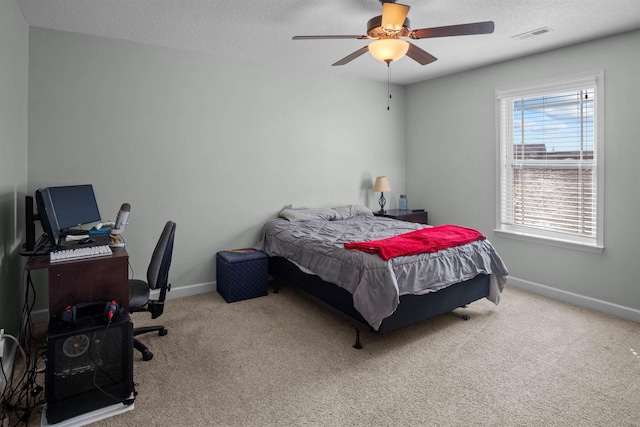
89,365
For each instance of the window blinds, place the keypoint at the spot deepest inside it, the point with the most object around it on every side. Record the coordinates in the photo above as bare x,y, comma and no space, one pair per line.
548,160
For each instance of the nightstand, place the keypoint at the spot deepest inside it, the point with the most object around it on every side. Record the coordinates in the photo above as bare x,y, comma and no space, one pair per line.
413,215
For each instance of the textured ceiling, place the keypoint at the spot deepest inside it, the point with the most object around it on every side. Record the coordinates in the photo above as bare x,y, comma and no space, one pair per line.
260,31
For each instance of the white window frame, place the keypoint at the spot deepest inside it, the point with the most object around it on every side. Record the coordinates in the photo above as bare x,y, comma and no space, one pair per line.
504,134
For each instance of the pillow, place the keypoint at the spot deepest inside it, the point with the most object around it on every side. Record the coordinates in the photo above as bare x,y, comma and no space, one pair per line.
348,211
304,214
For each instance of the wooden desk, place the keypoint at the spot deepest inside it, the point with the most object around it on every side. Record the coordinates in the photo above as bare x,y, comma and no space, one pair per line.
92,279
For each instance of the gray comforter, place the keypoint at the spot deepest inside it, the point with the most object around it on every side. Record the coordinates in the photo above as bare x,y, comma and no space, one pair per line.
317,247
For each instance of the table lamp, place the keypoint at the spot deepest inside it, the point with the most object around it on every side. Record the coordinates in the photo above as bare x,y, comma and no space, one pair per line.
382,185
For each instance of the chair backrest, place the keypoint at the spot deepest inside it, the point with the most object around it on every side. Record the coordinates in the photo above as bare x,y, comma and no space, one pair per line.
158,271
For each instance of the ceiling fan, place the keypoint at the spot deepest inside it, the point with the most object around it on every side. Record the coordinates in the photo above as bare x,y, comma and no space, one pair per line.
389,29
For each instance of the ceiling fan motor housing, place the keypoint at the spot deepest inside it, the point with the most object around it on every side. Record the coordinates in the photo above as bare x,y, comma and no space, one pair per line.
376,31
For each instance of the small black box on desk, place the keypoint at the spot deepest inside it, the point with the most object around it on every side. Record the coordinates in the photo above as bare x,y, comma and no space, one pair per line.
242,274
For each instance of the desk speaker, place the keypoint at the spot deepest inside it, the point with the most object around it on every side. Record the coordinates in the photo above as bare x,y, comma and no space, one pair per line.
89,366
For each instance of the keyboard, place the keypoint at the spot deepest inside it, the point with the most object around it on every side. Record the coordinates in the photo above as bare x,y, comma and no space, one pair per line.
80,253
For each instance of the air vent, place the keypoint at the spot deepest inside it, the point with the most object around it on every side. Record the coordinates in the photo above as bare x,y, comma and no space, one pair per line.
533,33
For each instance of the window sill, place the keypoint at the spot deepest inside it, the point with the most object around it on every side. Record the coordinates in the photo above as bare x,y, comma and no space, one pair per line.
568,244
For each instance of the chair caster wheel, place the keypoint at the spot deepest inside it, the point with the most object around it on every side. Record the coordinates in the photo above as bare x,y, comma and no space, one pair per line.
162,332
147,355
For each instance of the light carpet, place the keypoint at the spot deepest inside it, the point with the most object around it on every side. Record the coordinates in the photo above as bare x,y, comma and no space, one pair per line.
283,360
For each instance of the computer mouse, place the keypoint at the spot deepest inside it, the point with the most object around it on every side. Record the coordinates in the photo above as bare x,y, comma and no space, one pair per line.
86,240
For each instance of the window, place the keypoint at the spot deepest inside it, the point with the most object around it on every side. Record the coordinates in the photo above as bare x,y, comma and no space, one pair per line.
550,162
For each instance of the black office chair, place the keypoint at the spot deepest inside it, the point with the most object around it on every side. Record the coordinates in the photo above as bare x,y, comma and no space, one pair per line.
157,278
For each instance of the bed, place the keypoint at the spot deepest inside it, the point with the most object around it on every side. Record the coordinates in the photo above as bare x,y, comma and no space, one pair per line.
306,249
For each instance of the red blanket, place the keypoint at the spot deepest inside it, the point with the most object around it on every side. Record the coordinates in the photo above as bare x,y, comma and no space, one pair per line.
430,239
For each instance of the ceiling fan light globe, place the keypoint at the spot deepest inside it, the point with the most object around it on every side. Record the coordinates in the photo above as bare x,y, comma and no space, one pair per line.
387,50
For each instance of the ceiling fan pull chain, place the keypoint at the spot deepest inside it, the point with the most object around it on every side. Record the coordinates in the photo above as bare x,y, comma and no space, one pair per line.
388,83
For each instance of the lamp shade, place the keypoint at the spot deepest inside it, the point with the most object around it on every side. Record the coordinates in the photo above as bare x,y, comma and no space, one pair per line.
382,184
387,50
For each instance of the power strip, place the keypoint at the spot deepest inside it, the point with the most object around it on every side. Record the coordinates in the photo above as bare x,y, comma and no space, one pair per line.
1,343
6,369
6,360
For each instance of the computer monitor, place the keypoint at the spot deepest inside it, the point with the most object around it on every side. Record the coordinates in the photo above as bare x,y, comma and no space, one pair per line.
47,216
62,208
74,205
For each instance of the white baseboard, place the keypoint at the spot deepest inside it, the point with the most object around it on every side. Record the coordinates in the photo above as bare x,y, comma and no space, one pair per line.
187,291
576,299
42,316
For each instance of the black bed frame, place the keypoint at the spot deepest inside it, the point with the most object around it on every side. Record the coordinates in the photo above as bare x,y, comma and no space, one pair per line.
412,308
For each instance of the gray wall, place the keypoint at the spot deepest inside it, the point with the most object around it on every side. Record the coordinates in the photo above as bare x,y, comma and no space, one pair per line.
451,168
14,39
216,145
220,146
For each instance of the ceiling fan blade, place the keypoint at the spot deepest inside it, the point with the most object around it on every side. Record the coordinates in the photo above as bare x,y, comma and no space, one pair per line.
420,56
329,37
352,56
454,30
393,15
